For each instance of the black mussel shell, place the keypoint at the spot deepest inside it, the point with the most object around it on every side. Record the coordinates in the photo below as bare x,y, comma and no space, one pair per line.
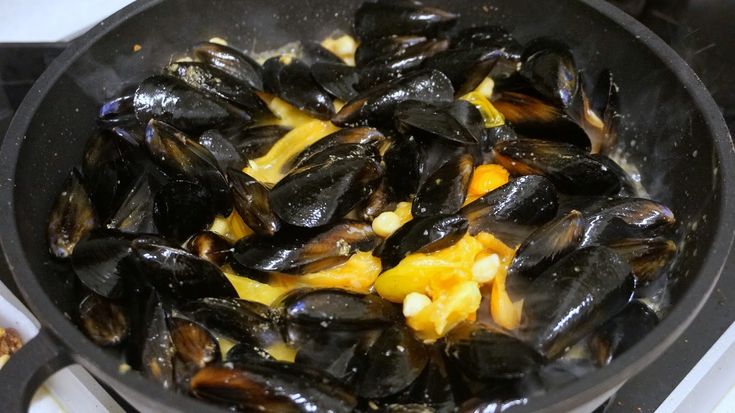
292,82
535,118
179,274
646,256
103,321
485,355
469,117
119,111
378,202
210,246
152,350
422,235
247,353
251,202
571,169
495,135
445,190
193,343
627,187
391,364
386,18
487,36
393,67
241,320
102,262
375,106
426,120
334,309
337,79
300,251
329,350
547,245
575,296
181,209
256,141
170,100
466,68
181,156
385,48
135,213
223,150
613,219
361,135
549,66
513,210
405,167
210,80
272,386
430,392
313,52
341,152
320,194
109,166
621,332
232,62
71,218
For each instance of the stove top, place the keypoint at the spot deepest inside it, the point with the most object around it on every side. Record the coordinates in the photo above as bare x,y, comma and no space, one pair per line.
701,31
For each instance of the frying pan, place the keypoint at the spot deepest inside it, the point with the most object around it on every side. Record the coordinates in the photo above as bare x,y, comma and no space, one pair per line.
674,133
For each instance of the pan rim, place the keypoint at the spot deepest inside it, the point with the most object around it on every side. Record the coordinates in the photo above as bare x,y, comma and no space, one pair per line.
565,398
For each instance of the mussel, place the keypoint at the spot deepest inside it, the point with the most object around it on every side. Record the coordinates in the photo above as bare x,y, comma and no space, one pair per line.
300,251
466,68
222,149
337,79
210,246
575,296
405,167
422,235
549,66
361,135
181,209
571,169
103,321
102,262
193,343
612,219
385,48
256,141
72,217
251,202
391,67
231,61
445,190
336,309
621,332
646,256
405,17
135,213
431,121
291,80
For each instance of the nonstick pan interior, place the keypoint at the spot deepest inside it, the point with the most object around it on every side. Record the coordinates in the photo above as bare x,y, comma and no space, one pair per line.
672,132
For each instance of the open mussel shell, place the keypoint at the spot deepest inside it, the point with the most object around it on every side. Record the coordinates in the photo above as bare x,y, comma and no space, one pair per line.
335,309
337,79
423,235
571,169
385,48
485,355
612,219
331,351
243,321
313,52
171,100
549,66
231,61
301,251
386,18
177,273
324,192
378,202
339,152
102,262
135,213
272,386
151,349
361,135
466,68
548,244
71,218
646,256
119,111
494,135
512,211
291,80
193,343
376,105
103,321
535,118
430,121
575,296
621,332
222,149
210,246
256,141
395,66
430,392
445,190
183,157
181,209
251,202
391,364
246,353
210,80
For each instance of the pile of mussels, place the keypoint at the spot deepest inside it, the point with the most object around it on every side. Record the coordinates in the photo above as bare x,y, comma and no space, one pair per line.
168,159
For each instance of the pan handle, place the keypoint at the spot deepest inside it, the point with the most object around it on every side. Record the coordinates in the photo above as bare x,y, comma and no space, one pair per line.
28,368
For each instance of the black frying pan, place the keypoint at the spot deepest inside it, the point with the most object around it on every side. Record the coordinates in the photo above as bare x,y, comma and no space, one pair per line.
675,134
